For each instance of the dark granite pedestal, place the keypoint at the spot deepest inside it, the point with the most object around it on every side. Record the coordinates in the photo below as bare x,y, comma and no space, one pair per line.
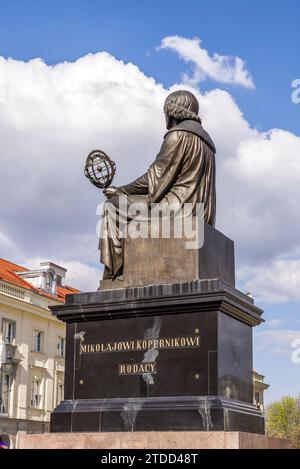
163,357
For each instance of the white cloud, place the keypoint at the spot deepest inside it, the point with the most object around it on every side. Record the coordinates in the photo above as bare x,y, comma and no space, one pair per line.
273,322
258,188
7,245
5,242
220,68
49,121
53,117
82,276
275,282
276,342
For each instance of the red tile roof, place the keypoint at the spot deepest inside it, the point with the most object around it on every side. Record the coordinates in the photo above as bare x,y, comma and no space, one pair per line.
8,273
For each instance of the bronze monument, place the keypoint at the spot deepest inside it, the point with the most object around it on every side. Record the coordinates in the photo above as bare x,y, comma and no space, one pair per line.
183,173
165,344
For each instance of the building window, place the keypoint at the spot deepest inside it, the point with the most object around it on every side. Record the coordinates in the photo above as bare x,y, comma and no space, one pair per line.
35,393
257,400
49,281
5,394
59,393
8,331
58,281
61,347
38,341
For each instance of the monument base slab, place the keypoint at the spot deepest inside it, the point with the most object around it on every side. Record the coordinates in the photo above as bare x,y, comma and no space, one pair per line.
152,440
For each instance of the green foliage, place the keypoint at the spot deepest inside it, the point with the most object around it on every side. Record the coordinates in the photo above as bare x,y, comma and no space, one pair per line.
283,419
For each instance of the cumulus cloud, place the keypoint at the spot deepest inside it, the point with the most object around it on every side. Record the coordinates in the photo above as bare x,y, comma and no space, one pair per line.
49,121
52,118
277,342
220,68
258,189
276,282
274,322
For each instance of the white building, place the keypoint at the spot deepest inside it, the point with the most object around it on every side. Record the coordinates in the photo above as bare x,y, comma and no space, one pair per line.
259,387
32,345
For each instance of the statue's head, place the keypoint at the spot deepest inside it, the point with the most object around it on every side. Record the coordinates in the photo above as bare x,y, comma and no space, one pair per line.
181,105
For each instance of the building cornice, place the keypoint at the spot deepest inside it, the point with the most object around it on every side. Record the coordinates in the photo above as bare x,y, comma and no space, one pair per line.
27,307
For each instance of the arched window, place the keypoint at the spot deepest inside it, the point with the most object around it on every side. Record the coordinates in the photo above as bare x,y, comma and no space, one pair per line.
49,281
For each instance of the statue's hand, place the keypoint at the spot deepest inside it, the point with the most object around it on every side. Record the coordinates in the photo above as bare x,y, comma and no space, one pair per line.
112,192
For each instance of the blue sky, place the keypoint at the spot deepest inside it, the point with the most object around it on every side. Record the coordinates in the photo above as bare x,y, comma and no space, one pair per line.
265,34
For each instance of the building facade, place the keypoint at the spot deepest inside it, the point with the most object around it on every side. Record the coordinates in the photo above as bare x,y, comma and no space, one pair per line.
32,346
259,387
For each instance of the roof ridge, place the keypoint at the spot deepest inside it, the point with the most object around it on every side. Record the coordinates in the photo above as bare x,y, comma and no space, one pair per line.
13,264
28,284
68,287
11,273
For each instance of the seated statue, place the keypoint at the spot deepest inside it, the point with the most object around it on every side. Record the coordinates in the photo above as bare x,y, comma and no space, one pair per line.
183,173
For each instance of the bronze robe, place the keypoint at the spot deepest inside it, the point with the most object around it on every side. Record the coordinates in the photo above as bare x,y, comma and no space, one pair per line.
183,172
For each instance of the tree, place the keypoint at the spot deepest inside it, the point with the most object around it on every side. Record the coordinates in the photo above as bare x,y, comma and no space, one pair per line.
283,419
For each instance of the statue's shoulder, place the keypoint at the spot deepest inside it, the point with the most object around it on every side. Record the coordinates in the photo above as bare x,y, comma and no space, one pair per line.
192,127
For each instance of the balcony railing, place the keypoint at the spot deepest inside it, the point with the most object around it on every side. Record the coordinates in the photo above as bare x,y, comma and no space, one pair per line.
11,290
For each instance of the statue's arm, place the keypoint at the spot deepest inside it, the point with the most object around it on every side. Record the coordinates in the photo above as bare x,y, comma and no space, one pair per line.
164,171
137,187
160,176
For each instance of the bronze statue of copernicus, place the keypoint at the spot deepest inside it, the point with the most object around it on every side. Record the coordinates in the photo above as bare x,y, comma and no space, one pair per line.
183,172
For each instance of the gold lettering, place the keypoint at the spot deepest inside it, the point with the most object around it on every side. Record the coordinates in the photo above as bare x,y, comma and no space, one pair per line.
137,368
193,341
127,345
143,344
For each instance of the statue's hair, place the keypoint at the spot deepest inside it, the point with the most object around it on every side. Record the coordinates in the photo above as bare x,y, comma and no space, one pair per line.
182,105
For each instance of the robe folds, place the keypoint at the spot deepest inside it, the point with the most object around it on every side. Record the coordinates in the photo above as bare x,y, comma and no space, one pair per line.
183,173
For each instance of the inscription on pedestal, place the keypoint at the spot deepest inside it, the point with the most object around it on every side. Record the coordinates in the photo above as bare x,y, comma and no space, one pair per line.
150,345
137,368
142,344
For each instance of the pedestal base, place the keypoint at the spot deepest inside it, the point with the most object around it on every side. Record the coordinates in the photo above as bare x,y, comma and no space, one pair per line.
182,413
152,440
163,357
